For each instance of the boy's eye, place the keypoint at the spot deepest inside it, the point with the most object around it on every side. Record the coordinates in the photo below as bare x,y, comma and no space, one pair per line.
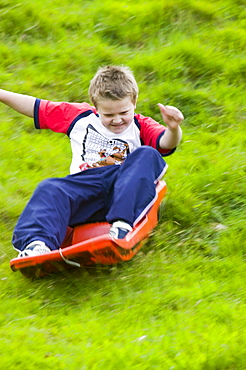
112,115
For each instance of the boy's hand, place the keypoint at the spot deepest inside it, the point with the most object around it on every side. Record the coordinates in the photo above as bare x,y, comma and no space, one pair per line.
171,116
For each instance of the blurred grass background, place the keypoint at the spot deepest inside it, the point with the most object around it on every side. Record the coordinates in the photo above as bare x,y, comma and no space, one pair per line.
180,304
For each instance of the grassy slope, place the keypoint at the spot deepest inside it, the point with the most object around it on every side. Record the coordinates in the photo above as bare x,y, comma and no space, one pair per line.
180,303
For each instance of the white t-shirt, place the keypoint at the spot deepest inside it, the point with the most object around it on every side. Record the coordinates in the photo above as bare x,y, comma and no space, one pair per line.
92,142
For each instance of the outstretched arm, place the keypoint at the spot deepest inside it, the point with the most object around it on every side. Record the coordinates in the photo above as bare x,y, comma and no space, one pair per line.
173,134
23,104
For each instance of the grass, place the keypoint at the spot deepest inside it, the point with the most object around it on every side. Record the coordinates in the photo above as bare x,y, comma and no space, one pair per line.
180,303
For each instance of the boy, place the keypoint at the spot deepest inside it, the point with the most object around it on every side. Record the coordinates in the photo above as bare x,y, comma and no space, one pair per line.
116,161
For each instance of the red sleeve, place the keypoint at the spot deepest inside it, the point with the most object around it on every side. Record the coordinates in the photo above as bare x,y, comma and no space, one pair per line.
61,116
151,132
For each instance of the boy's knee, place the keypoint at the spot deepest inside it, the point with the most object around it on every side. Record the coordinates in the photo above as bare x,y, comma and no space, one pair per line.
147,152
47,184
146,158
145,148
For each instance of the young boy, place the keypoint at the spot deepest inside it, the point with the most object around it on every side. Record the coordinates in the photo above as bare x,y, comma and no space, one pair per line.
116,161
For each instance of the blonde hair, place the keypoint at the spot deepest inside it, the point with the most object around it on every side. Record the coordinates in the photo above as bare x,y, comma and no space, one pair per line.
113,82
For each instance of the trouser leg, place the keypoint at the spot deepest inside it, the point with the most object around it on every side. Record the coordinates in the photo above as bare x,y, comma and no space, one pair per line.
60,202
135,187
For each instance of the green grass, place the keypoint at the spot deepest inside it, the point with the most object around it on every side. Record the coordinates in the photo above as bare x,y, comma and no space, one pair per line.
181,302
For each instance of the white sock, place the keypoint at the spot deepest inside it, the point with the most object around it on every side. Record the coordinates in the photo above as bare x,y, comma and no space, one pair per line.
122,225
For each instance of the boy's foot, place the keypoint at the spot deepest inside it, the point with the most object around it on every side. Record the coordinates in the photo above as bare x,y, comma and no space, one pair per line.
35,248
119,229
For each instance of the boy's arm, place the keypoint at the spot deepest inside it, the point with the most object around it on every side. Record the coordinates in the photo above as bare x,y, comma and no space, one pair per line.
23,104
173,134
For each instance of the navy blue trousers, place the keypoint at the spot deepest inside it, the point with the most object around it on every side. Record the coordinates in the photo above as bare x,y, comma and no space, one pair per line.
108,193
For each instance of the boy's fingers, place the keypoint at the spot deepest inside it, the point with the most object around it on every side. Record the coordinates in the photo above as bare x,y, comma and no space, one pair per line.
171,112
162,108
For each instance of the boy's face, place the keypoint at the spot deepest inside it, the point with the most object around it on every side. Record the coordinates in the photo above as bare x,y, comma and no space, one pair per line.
116,115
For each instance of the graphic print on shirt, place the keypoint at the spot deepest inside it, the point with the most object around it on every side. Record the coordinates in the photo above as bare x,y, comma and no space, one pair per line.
98,150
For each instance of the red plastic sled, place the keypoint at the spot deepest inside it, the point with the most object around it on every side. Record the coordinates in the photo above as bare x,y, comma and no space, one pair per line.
90,244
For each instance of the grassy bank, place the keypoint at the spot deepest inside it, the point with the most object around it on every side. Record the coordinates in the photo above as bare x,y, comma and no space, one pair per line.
180,303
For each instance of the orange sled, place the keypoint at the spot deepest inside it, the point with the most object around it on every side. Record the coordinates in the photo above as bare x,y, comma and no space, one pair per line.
91,244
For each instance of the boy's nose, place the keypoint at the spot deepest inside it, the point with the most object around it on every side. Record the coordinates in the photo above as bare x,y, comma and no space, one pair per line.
117,119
